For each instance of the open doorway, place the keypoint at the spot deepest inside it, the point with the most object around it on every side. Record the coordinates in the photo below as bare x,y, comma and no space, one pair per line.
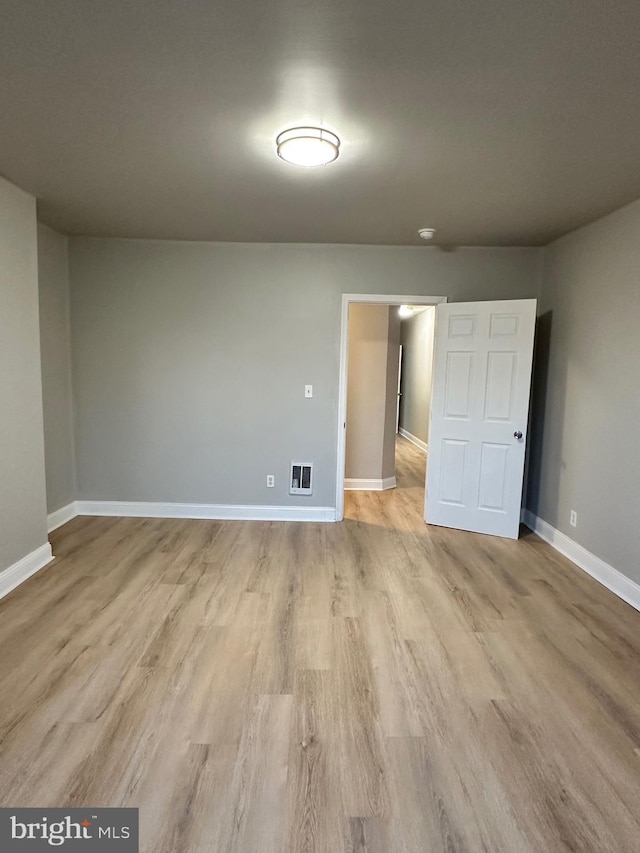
479,411
370,451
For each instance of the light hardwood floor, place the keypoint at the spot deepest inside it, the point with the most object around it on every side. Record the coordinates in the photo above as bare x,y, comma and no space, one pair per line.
374,685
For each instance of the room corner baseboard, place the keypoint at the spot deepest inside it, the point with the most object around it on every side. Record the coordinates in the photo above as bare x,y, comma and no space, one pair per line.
61,516
355,485
218,512
607,575
19,572
413,439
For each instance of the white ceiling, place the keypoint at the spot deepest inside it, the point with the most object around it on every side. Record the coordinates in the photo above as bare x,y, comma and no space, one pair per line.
499,122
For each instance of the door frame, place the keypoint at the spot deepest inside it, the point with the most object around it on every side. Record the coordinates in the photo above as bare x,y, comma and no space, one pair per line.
347,300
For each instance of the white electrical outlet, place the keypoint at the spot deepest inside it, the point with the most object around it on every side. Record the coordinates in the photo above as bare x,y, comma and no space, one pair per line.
271,481
573,518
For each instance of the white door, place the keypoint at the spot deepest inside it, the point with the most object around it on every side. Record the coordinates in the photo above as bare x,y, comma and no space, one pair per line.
480,404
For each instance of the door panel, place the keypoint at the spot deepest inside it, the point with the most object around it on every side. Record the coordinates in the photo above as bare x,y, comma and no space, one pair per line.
481,381
452,474
499,396
462,326
493,493
458,384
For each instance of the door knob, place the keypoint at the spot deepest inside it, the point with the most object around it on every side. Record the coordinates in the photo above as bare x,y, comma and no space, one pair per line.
517,434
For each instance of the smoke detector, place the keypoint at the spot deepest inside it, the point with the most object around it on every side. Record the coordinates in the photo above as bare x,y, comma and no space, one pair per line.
427,233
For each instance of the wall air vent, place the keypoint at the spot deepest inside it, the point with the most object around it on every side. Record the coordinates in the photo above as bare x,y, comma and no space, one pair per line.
301,479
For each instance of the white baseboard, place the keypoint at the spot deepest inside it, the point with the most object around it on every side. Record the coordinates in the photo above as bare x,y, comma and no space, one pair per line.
222,512
413,439
61,516
607,575
352,485
17,573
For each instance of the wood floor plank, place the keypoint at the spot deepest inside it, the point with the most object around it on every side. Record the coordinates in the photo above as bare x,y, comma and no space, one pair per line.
316,814
258,789
357,728
373,686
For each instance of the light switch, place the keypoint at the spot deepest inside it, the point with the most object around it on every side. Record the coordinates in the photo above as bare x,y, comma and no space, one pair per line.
308,390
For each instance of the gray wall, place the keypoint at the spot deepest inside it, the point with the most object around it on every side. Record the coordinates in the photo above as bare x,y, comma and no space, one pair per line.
55,350
23,516
373,348
585,455
190,359
417,366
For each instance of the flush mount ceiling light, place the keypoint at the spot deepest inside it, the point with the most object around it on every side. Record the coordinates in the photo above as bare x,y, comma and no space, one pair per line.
406,311
427,233
307,146
409,310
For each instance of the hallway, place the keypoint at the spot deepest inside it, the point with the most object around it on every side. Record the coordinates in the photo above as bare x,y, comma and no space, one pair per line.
406,500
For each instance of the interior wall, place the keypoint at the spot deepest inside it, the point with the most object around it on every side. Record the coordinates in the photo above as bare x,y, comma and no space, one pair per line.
369,344
391,395
23,514
55,350
190,359
586,404
417,368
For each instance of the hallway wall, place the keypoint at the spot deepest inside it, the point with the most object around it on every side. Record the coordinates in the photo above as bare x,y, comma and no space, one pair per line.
374,335
416,336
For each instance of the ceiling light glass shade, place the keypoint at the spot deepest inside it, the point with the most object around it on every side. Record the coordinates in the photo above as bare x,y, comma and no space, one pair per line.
308,146
406,311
